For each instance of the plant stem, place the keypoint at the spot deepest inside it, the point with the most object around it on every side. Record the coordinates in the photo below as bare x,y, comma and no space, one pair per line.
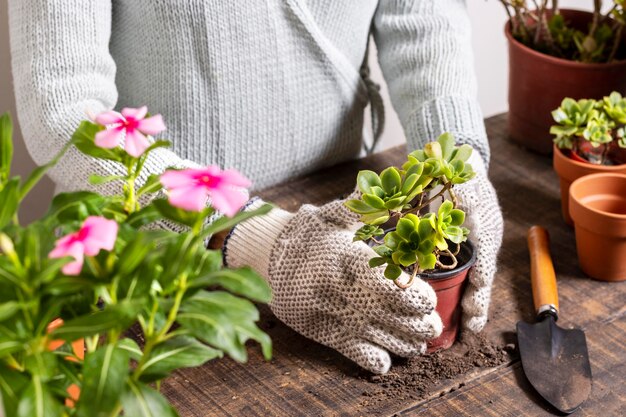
448,254
446,187
616,43
408,284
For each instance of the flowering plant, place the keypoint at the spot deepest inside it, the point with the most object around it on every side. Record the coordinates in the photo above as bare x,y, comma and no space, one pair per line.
418,240
593,129
92,266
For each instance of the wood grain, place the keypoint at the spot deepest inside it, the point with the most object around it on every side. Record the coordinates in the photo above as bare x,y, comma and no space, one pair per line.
307,379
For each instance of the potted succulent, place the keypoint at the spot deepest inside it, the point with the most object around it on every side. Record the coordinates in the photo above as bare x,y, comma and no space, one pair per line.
73,282
394,209
590,137
554,53
598,207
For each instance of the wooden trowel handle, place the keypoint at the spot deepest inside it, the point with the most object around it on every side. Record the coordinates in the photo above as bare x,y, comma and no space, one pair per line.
543,279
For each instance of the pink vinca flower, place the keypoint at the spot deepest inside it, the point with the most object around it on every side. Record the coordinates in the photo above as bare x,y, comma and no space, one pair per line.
190,188
95,234
131,122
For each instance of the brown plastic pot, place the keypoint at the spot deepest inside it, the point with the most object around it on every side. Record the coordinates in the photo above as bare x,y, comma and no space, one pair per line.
598,207
449,286
570,170
539,82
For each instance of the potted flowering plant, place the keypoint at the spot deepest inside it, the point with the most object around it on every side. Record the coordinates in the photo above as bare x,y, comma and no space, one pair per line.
590,137
556,52
90,269
406,237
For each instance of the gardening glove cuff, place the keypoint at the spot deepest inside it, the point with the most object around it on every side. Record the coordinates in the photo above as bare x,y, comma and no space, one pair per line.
250,242
484,218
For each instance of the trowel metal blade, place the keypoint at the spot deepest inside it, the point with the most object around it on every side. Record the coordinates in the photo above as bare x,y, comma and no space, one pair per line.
556,362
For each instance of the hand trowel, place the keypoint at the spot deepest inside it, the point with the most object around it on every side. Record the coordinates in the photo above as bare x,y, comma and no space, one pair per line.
555,360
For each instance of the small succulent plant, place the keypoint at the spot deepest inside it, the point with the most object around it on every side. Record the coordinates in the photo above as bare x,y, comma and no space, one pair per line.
596,125
401,194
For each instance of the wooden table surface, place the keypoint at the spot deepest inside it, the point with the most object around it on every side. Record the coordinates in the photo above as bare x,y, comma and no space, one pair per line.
307,379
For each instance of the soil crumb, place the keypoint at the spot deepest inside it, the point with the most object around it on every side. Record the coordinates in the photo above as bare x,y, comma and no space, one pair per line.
422,376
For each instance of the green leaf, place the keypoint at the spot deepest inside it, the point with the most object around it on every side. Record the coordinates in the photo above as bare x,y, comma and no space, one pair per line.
463,153
446,141
223,321
117,316
8,309
130,346
12,384
8,346
367,179
67,207
360,207
457,217
104,374
9,201
391,180
37,174
133,254
407,259
373,201
227,223
242,281
139,400
175,353
409,183
152,185
84,139
375,218
377,261
37,401
100,179
395,204
405,227
6,147
392,271
144,216
427,261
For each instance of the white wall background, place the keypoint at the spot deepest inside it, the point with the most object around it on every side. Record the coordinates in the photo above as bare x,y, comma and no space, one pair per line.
490,53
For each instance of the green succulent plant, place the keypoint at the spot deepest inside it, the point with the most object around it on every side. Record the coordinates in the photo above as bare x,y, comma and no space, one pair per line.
447,225
401,194
615,107
597,122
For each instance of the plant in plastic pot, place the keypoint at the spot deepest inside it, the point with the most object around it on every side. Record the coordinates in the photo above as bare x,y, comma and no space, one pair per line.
432,246
73,282
598,207
589,137
554,53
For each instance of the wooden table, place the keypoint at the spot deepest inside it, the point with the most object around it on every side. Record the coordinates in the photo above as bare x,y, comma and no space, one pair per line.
305,378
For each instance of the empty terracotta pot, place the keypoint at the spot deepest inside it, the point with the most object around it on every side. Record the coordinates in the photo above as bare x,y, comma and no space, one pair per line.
449,286
570,170
598,208
539,82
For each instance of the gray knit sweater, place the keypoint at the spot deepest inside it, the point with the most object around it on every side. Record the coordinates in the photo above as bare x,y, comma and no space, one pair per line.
270,87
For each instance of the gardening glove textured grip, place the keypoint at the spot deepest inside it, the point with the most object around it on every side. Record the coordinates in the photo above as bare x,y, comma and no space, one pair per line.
324,289
484,219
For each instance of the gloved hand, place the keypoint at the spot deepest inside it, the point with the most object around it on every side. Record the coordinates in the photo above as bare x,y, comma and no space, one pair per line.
324,289
484,219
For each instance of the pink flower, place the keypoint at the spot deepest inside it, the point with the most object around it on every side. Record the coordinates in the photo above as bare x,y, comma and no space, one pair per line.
133,123
190,188
95,234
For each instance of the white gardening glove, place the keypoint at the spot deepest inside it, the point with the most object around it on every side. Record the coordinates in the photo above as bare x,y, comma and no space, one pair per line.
324,289
484,219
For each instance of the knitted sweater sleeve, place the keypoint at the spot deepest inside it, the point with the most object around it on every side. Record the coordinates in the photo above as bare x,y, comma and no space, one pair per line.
425,52
61,70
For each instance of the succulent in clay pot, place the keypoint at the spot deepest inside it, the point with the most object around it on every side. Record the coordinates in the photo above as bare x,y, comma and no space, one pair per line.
397,222
592,131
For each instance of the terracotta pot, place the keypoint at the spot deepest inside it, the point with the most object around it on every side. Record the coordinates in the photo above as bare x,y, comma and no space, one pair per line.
598,207
78,347
570,170
449,286
539,82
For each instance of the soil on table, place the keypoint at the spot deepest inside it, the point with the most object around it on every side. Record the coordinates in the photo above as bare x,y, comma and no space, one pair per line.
422,376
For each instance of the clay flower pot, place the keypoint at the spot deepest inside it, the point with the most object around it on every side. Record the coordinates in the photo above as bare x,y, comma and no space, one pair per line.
538,82
449,286
570,170
598,207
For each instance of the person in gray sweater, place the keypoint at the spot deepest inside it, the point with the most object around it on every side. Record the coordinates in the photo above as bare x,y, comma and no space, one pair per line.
273,89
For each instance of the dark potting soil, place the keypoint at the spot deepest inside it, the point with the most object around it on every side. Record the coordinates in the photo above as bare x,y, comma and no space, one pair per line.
422,376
